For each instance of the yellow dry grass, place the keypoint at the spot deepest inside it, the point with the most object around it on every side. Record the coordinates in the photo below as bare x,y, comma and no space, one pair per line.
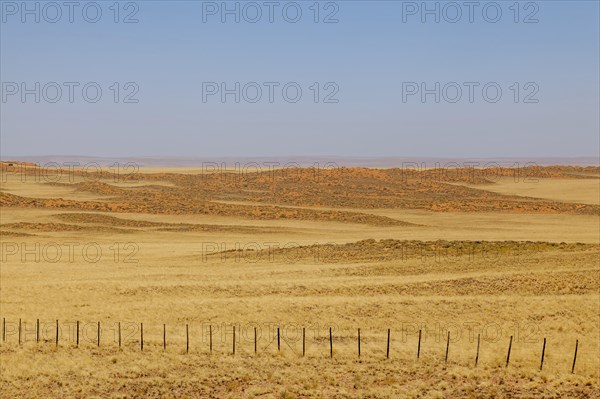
214,272
586,191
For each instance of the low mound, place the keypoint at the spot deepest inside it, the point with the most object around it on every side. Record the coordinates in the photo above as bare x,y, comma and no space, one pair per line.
98,218
57,227
4,233
154,203
385,250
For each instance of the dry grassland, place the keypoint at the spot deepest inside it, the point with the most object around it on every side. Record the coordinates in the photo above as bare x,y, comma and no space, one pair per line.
374,249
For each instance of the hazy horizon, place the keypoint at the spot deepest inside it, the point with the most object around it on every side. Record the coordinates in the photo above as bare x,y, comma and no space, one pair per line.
307,160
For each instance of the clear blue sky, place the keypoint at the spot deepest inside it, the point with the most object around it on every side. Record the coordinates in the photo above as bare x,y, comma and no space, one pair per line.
369,55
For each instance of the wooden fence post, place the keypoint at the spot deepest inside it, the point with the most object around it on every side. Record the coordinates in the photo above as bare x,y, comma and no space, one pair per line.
234,339
477,355
330,343
543,353
419,346
359,342
278,341
119,328
255,344
19,331
164,337
37,330
210,337
98,334
142,336
187,339
77,333
57,333
4,329
575,356
387,352
509,348
447,347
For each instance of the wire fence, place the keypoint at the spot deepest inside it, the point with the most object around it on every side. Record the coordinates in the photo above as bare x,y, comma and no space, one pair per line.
74,335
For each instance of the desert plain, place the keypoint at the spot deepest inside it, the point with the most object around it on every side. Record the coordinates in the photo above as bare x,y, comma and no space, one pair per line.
251,283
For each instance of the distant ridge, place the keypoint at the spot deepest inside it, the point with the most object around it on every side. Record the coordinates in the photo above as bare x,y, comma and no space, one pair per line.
306,161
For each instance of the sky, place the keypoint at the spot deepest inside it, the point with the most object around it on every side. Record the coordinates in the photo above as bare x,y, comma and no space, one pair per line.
269,78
